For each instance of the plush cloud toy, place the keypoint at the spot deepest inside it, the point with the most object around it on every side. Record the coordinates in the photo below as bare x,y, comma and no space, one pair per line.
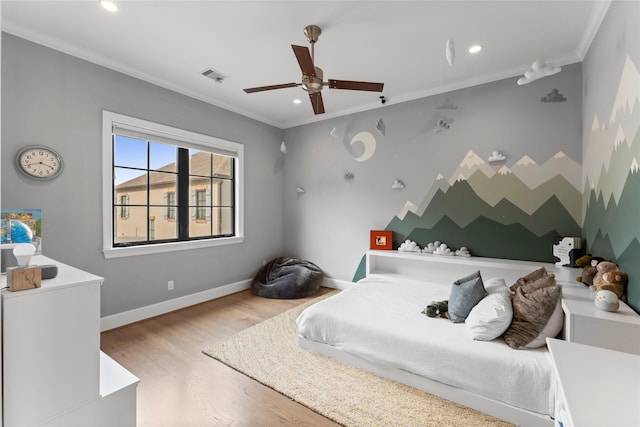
610,278
409,246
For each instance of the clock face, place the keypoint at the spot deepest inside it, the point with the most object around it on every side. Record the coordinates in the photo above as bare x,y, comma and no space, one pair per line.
39,162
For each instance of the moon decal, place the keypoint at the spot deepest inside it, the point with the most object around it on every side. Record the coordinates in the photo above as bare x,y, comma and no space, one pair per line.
369,143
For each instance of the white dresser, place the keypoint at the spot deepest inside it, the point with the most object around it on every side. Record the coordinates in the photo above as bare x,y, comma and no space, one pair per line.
54,373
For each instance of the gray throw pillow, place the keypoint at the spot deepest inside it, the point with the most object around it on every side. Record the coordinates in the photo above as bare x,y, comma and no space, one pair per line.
465,294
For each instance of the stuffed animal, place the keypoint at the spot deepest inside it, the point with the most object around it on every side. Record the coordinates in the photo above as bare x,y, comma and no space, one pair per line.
589,264
607,301
610,278
437,308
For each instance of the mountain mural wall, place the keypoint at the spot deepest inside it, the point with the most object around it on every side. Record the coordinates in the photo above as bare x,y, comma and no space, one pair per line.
611,184
498,211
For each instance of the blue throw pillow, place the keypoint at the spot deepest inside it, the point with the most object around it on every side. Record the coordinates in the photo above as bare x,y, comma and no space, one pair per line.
465,294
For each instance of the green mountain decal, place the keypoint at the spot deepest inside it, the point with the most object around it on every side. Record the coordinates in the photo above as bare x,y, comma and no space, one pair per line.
460,217
488,238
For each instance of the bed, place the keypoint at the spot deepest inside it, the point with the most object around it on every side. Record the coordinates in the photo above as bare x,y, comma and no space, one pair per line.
378,325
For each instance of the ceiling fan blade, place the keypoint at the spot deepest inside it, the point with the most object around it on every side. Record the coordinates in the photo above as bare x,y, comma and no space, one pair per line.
263,88
351,85
316,102
304,59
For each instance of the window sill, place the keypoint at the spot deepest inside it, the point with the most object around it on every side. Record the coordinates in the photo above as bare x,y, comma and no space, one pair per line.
169,247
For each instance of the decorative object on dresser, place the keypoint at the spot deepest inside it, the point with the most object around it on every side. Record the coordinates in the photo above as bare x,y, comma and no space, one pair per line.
23,278
21,226
23,253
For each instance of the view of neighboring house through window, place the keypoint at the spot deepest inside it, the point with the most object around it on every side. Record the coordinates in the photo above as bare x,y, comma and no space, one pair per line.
169,190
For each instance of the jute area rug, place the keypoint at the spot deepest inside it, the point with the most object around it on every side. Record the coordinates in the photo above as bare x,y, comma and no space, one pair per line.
268,353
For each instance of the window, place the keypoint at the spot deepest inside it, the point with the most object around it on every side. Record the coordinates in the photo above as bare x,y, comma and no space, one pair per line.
170,201
124,206
168,189
201,205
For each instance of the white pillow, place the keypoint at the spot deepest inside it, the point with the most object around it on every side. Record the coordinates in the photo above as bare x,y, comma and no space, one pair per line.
495,284
490,317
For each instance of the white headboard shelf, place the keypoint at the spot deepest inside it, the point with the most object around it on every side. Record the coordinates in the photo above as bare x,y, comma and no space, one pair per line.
414,264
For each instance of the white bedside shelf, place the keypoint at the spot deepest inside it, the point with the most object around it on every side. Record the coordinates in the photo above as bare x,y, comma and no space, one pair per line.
598,387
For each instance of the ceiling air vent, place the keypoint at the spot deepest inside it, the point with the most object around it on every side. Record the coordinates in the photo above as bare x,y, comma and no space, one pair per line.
214,75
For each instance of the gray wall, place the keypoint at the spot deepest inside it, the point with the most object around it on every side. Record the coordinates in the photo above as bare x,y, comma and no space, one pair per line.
329,224
55,99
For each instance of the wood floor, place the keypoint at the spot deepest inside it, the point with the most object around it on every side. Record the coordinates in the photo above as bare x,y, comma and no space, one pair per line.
180,386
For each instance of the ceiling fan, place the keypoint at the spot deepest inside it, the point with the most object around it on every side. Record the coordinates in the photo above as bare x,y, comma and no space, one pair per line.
312,76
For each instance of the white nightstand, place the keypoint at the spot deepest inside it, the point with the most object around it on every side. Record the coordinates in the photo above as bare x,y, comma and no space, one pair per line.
597,386
586,324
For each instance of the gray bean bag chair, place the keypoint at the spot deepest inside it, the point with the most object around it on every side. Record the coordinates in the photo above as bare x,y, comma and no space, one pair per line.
287,278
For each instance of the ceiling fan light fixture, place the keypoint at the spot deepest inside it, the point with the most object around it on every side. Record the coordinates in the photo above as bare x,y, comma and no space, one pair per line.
109,5
475,48
312,76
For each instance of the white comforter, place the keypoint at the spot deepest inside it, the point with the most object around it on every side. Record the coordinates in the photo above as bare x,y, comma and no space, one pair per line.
380,320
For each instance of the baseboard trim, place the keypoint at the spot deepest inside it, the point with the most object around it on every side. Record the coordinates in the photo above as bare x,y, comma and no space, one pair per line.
120,319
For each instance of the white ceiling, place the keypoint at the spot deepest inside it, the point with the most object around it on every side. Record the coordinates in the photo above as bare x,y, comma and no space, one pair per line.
399,43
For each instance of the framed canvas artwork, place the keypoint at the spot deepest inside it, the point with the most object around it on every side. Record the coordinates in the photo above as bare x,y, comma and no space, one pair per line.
381,240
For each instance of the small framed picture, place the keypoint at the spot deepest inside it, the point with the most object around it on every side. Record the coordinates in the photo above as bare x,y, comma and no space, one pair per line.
381,240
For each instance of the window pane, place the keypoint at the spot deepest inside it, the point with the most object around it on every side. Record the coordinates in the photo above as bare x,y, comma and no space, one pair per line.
200,227
222,192
222,166
161,227
199,163
200,191
162,156
130,152
128,177
222,221
130,224
159,185
134,188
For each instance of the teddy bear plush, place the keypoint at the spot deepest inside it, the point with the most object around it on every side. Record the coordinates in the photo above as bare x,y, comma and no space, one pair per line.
610,278
589,270
437,308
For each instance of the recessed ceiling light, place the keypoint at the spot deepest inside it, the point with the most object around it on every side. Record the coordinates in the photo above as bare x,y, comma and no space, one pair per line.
296,101
475,48
109,5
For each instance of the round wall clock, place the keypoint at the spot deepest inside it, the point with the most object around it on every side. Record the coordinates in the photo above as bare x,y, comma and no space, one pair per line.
39,162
